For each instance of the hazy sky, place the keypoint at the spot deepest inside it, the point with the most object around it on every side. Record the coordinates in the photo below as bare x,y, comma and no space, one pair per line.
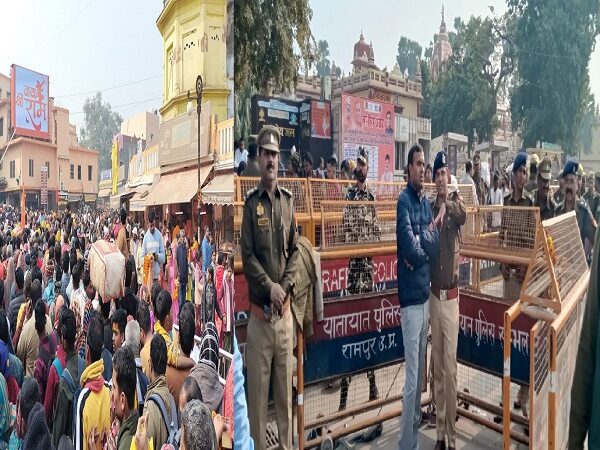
86,45
384,21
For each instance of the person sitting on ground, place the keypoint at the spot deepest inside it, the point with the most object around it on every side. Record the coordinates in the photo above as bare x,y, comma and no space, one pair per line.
31,420
123,396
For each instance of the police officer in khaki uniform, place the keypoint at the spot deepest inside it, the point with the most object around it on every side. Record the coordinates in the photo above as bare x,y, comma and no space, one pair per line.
450,214
481,187
514,275
269,256
360,225
585,220
541,196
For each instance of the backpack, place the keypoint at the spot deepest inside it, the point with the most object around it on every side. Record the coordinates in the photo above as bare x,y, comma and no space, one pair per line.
43,363
74,390
172,423
141,389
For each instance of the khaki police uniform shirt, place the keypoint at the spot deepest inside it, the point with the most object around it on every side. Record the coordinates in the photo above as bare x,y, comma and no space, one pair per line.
444,270
585,220
547,209
268,242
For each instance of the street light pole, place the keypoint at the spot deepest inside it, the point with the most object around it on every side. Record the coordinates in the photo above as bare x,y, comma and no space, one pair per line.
199,88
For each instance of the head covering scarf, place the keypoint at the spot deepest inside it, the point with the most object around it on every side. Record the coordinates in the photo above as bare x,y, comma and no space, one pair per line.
209,348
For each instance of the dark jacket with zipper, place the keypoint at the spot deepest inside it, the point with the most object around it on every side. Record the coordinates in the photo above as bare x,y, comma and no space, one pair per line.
127,431
416,244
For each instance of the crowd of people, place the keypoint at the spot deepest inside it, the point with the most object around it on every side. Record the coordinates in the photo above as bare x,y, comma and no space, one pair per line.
140,370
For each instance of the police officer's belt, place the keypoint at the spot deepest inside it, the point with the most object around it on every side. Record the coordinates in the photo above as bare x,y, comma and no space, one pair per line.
443,294
257,311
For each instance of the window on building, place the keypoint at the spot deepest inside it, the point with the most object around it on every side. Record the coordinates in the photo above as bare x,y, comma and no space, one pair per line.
48,166
1,126
31,167
89,173
79,172
12,169
400,156
72,171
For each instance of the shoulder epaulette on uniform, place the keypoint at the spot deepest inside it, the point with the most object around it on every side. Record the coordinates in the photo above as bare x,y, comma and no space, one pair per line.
286,191
250,192
559,206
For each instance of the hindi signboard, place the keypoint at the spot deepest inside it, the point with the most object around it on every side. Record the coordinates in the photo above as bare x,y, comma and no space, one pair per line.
44,187
369,124
29,102
320,118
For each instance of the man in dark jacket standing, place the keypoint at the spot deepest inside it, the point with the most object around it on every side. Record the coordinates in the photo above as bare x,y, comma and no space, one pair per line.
417,241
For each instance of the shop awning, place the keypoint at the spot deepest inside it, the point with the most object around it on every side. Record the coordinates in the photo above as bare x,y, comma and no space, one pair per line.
104,192
137,203
219,191
178,187
139,185
88,198
115,201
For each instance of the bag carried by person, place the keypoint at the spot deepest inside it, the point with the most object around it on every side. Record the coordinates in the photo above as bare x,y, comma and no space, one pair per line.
172,423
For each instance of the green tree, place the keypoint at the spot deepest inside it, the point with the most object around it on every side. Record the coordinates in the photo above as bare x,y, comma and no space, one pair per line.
586,124
464,97
273,40
425,88
101,124
323,63
553,40
409,55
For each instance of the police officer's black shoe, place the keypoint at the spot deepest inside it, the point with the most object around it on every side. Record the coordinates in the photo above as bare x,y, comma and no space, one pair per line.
440,445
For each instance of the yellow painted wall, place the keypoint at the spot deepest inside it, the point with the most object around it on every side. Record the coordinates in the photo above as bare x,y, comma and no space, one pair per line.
193,34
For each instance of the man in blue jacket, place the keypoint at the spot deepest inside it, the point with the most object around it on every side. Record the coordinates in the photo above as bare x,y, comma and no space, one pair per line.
417,241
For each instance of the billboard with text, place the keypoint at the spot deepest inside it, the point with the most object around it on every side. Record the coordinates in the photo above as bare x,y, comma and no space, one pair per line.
29,102
369,124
